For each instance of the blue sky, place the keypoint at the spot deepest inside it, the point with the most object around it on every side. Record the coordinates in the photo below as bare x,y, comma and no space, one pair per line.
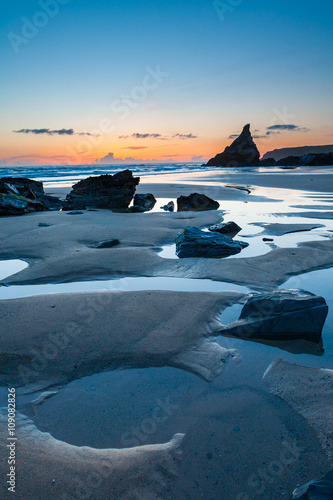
261,62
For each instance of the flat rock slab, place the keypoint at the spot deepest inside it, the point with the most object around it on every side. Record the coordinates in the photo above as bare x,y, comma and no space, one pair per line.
50,339
310,392
141,472
193,242
281,315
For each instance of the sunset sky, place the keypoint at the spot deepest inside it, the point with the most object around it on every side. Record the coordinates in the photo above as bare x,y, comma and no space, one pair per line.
135,81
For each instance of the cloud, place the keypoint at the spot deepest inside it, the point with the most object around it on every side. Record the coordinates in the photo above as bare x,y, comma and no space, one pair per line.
110,159
47,131
186,136
141,136
276,129
137,135
233,136
197,159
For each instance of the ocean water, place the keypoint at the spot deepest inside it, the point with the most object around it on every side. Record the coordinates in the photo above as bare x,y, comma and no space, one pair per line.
66,175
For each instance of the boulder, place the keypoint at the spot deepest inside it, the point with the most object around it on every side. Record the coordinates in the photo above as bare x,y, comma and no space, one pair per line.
242,152
319,489
170,207
12,204
145,201
193,242
196,203
281,315
113,192
228,228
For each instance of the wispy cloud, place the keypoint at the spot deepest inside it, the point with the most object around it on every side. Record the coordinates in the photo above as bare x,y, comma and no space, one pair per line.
186,136
47,131
277,129
141,136
138,135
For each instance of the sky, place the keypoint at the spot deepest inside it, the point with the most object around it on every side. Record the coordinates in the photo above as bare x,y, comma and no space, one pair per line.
104,82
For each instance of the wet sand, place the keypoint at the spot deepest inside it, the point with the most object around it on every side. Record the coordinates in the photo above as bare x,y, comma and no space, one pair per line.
241,441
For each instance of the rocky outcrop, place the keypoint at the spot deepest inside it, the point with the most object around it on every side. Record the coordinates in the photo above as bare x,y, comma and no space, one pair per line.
23,187
279,154
310,160
193,242
113,192
242,152
228,228
196,202
281,315
19,196
12,204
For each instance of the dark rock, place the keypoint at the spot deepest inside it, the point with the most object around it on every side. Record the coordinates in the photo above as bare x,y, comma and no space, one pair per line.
193,242
44,224
267,239
268,162
30,196
319,489
242,152
309,160
113,192
278,154
136,210
196,203
170,207
108,244
67,207
75,212
12,204
294,161
145,201
52,203
281,315
25,187
228,228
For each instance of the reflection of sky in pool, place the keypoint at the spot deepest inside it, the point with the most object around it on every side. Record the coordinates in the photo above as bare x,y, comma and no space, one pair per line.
10,267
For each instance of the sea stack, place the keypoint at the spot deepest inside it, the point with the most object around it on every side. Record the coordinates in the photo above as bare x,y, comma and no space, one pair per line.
243,152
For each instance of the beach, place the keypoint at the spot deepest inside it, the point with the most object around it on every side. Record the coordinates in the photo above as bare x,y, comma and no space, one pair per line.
117,357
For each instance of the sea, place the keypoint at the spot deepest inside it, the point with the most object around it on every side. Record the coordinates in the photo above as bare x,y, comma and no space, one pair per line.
67,175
